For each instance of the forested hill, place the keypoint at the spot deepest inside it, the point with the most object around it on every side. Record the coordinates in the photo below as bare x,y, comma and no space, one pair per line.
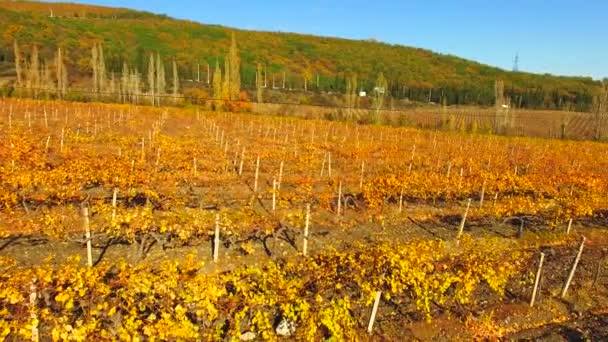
130,36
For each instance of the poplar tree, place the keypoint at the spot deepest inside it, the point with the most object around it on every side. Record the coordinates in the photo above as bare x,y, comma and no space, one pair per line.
226,81
379,93
98,65
175,82
160,78
235,70
18,67
61,73
217,84
34,70
151,79
351,93
94,66
259,83
124,82
102,70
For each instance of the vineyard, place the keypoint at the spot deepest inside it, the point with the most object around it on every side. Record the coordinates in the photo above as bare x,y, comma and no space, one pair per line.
140,223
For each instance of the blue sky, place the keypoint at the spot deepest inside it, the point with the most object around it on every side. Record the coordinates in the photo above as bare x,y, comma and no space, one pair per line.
553,36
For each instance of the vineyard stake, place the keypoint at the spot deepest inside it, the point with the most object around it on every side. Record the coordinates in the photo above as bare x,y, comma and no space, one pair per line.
280,174
194,167
323,165
257,173
460,179
464,220
569,226
33,315
370,326
87,230
571,275
483,193
329,164
306,226
339,198
274,195
598,272
143,149
242,161
216,238
537,279
46,146
114,195
362,172
61,142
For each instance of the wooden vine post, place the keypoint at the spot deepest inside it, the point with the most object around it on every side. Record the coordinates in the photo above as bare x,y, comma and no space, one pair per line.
362,173
274,195
370,326
573,269
257,173
329,164
306,227
33,314
114,197
339,199
281,166
537,279
569,226
464,220
483,193
216,238
87,232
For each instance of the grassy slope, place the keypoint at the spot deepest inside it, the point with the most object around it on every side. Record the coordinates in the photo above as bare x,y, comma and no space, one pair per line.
130,35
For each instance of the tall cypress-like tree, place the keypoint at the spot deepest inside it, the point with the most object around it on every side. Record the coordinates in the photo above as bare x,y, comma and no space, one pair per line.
217,85
102,70
259,83
124,82
151,79
18,66
34,70
379,93
161,83
95,66
226,80
235,70
175,82
61,73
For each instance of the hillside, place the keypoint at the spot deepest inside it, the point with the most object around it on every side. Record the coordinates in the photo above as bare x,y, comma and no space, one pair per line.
412,73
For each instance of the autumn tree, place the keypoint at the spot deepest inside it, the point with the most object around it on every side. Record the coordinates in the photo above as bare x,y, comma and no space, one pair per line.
217,85
351,93
503,119
161,83
234,63
259,83
151,79
225,95
98,65
175,82
379,94
33,71
61,73
18,61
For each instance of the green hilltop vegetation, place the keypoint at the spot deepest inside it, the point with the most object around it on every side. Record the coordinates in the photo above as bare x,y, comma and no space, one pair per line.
323,63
